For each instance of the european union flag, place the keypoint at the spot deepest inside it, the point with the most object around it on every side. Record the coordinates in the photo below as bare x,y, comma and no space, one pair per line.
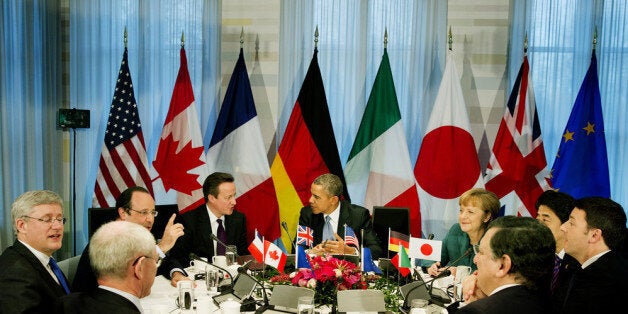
367,262
581,165
302,258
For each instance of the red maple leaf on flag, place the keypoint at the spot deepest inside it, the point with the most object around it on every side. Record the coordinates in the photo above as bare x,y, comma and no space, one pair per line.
273,255
173,167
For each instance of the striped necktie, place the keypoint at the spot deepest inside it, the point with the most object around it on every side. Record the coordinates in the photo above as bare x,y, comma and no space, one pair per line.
59,274
328,230
557,262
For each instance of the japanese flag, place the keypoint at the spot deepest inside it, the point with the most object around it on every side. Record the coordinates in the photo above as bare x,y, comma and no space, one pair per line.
425,249
274,257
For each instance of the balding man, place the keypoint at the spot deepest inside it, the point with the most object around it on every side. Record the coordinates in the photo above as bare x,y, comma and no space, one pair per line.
124,259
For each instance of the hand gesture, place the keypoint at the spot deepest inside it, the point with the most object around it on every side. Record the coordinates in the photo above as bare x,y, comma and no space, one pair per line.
171,233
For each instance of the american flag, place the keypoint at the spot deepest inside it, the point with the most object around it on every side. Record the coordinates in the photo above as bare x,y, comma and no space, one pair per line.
305,236
123,161
350,238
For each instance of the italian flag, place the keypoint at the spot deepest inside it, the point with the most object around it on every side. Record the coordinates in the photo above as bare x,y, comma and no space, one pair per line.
379,171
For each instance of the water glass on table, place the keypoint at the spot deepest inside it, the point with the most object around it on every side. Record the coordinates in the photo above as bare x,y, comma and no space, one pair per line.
212,277
230,253
305,305
186,294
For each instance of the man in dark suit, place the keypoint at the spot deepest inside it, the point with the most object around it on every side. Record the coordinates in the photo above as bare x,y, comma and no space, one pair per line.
28,282
593,235
515,259
325,205
136,205
216,217
123,256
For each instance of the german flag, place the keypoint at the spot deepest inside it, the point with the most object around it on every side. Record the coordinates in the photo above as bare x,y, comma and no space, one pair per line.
307,150
397,239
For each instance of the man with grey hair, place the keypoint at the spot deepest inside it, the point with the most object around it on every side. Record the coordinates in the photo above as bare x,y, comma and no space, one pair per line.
124,259
30,279
327,215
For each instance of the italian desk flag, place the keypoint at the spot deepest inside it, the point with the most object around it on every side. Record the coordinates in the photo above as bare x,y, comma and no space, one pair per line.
402,262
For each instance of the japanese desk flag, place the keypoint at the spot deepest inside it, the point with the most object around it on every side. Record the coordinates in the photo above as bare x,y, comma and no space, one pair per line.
425,249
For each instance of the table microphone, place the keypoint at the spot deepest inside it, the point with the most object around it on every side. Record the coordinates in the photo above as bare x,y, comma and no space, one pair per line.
196,258
284,225
227,248
444,273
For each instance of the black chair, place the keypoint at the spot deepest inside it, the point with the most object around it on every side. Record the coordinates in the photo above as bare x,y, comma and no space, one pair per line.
99,216
395,218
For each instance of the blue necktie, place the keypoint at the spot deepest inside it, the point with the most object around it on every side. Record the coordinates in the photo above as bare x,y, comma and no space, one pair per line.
59,274
328,231
557,262
222,236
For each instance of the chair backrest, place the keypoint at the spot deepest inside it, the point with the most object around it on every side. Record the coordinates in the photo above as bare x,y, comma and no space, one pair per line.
395,218
98,216
68,266
361,301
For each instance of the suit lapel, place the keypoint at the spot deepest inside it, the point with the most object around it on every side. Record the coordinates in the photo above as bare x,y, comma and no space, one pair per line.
37,265
343,218
203,226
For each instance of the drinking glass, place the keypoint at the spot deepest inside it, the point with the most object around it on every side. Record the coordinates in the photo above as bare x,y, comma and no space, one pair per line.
211,280
186,294
230,254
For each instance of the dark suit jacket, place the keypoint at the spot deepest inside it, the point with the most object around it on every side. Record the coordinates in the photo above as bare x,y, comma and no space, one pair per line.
599,288
356,217
197,238
96,302
512,300
25,285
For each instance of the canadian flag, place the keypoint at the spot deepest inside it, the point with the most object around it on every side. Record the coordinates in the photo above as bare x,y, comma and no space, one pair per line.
274,257
180,159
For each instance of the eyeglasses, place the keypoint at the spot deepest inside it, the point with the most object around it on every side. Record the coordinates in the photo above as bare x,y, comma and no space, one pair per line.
49,220
157,260
145,212
476,249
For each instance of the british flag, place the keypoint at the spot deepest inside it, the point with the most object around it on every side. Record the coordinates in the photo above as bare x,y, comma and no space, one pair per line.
517,171
305,236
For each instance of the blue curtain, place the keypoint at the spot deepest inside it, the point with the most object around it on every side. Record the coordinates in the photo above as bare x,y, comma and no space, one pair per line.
560,35
32,148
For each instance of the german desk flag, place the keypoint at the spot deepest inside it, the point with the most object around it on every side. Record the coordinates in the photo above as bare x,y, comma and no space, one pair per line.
307,150
396,240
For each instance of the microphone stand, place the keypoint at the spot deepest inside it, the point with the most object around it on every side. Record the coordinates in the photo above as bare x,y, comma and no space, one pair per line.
284,225
446,272
196,258
227,248
246,305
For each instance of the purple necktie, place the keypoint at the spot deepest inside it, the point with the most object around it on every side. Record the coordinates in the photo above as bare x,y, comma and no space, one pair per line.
557,262
222,236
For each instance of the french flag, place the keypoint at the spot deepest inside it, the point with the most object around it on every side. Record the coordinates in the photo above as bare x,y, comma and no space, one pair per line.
237,147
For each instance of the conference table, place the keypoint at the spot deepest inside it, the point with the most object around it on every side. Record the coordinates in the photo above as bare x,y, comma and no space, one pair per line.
163,296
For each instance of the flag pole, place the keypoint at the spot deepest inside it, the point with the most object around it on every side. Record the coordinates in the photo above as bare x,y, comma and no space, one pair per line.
594,39
450,38
525,45
385,37
316,38
242,38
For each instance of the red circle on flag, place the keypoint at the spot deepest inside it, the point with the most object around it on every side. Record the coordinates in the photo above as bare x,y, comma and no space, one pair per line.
427,249
448,164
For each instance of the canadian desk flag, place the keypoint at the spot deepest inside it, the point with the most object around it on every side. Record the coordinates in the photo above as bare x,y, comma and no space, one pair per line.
274,256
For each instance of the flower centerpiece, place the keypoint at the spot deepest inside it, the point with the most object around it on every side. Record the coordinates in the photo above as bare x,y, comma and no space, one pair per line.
327,275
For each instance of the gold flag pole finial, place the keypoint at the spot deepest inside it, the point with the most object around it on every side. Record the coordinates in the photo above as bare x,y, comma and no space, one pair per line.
316,37
182,40
594,38
242,38
126,37
385,37
450,39
525,45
